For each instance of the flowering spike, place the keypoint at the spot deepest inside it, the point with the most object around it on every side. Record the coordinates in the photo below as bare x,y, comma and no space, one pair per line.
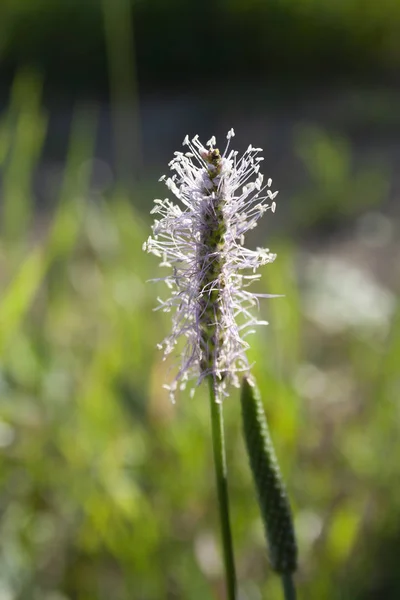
202,240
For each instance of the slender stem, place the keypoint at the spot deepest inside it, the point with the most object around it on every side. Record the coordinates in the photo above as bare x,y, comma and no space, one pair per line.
217,425
289,591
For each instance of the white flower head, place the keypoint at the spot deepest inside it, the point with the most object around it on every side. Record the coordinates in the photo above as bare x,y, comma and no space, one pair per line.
201,239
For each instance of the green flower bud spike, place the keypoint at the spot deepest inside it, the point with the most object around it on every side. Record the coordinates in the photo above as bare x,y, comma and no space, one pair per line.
272,496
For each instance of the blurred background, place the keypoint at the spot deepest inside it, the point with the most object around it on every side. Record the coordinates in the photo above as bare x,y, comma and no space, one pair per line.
106,489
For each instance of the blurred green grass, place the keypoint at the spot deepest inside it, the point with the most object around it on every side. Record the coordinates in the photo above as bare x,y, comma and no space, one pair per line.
107,490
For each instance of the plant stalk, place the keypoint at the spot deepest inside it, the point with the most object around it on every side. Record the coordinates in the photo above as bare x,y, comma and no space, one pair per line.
218,440
289,591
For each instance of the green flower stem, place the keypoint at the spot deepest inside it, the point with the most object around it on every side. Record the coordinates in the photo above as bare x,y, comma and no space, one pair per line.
289,591
217,426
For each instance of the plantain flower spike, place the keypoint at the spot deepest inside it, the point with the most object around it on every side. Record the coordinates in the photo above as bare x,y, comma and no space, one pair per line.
201,240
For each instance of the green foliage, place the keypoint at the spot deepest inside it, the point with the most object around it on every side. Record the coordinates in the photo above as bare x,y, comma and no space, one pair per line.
107,490
336,191
22,132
